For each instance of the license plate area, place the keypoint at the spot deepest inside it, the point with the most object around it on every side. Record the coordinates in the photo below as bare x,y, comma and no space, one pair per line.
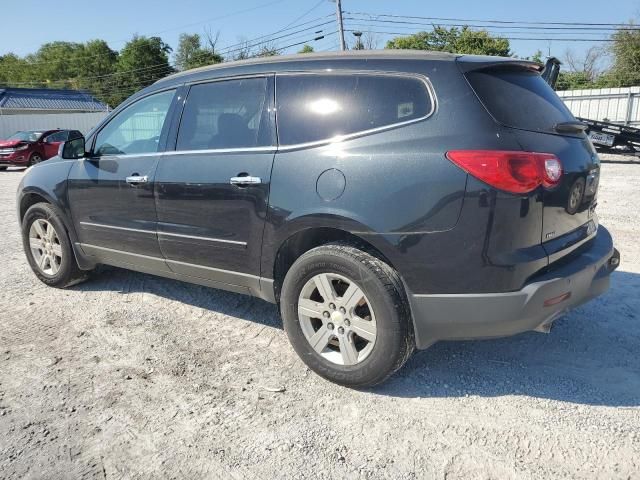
602,138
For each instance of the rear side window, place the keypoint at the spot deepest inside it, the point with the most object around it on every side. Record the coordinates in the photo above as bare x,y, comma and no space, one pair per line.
314,107
57,137
519,98
226,114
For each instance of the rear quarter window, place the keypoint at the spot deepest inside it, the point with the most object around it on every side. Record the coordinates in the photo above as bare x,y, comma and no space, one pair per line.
519,98
315,107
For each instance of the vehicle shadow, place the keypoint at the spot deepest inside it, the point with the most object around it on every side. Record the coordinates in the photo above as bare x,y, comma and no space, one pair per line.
590,357
255,310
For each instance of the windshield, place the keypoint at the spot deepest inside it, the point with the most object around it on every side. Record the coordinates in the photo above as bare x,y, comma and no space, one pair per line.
26,136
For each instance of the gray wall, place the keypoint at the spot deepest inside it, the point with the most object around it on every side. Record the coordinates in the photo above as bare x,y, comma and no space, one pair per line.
84,122
617,105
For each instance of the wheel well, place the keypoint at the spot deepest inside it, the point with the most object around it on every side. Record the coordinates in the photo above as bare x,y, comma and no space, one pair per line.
28,200
305,240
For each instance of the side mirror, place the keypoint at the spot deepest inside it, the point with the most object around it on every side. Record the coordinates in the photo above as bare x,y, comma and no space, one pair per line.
72,149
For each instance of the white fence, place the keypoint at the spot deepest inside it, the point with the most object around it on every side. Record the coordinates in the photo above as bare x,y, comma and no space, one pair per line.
9,124
618,105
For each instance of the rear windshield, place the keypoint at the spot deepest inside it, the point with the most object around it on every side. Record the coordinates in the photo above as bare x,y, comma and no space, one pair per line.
519,98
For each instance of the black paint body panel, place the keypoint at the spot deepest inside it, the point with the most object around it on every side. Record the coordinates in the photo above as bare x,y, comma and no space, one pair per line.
443,230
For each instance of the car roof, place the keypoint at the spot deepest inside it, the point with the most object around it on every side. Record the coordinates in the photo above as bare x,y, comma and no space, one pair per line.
302,61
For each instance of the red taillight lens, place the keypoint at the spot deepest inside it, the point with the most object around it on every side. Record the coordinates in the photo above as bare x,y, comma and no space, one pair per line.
514,172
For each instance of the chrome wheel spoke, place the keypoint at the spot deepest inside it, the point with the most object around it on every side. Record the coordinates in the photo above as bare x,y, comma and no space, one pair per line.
38,228
42,261
352,297
330,325
348,350
325,289
309,308
56,248
53,265
35,244
45,246
320,339
51,233
363,328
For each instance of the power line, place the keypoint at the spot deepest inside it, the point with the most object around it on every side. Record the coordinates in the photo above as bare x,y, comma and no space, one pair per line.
223,52
492,32
317,19
486,25
508,38
305,13
371,15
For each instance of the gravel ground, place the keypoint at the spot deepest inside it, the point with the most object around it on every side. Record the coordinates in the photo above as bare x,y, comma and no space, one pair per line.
132,376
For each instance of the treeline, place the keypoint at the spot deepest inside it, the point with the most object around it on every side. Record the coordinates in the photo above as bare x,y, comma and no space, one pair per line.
113,75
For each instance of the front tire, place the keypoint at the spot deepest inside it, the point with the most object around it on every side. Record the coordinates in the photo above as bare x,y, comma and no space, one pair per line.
34,159
48,247
346,315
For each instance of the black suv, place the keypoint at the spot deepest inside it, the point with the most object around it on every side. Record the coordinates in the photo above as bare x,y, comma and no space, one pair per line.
385,200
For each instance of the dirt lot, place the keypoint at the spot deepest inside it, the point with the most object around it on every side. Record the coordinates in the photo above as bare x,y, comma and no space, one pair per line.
132,376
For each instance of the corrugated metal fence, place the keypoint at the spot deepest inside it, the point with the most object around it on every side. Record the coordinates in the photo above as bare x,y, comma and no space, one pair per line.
9,124
618,105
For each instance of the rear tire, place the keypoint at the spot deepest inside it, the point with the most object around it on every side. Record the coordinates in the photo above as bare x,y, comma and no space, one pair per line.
362,333
2,169
48,247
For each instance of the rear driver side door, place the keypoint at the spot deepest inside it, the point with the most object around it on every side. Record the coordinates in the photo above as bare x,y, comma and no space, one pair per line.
212,191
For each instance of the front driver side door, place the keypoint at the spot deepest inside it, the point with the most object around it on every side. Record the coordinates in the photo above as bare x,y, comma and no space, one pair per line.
51,143
111,191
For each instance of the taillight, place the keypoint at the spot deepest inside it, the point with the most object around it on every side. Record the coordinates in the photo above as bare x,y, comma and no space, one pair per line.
514,172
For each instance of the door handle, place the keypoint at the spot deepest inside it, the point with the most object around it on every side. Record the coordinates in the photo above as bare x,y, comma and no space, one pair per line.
246,180
134,179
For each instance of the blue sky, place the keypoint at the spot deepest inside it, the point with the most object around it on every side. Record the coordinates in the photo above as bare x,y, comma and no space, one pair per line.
117,20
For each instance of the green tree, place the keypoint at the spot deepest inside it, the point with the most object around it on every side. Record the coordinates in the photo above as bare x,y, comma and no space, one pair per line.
574,81
625,70
142,61
191,54
56,62
454,40
306,49
96,63
267,51
13,70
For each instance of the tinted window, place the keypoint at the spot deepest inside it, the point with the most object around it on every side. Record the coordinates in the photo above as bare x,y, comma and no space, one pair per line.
519,98
318,107
137,128
57,137
227,114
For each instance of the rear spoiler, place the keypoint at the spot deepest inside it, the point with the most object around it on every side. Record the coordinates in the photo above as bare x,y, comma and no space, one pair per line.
470,63
549,71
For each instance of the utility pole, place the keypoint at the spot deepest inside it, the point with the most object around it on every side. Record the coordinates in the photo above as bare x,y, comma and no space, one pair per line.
340,25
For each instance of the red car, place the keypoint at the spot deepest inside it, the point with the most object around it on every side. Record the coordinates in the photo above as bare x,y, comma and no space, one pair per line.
31,147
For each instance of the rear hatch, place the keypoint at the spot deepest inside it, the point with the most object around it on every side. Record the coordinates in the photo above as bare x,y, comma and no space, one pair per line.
518,98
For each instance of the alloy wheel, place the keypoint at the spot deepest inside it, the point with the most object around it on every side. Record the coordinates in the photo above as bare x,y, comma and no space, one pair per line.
45,246
337,319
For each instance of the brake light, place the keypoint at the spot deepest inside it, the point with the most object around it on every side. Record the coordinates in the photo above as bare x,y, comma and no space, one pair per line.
511,171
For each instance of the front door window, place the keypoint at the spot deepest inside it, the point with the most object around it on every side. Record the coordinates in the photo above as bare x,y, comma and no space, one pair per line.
137,128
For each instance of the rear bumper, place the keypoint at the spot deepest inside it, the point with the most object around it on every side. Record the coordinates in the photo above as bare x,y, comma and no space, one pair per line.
490,315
